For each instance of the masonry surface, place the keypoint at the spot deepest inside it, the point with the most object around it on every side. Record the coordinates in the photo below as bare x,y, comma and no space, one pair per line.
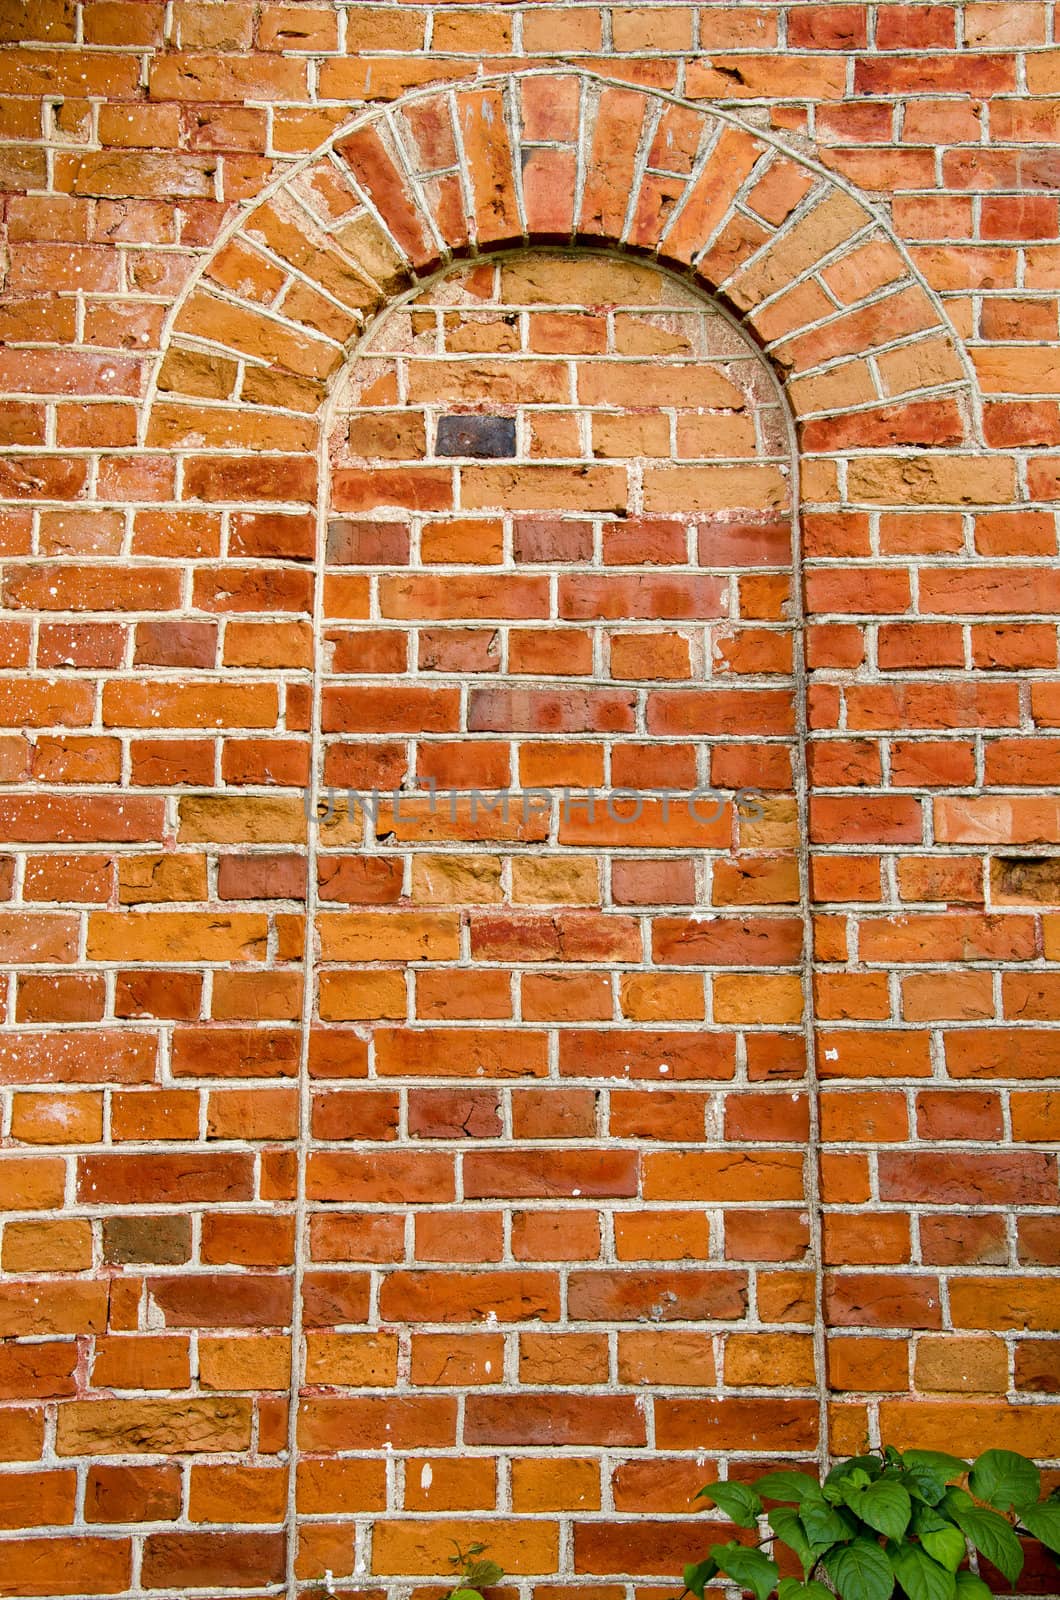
531,845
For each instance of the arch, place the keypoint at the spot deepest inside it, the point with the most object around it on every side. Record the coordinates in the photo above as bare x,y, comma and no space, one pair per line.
868,359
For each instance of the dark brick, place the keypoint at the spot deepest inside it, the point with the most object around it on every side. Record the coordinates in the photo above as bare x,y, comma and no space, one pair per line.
164,1241
354,543
475,436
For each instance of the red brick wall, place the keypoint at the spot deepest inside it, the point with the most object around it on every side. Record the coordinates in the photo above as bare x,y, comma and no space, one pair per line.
372,1115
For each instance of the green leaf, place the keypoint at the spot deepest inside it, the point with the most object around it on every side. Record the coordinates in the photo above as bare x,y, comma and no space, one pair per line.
945,1545
480,1574
792,1589
942,1541
1043,1521
919,1576
926,1520
824,1525
751,1569
884,1505
739,1503
990,1533
784,1521
465,1594
937,1461
923,1483
787,1486
969,1587
860,1571
698,1574
1003,1478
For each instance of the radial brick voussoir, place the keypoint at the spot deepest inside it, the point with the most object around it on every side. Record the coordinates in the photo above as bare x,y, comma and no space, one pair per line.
426,133
552,131
372,155
482,117
726,166
622,116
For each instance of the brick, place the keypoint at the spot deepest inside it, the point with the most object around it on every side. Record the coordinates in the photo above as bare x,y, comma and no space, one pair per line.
865,1363
678,1357
556,1485
883,1301
489,164
1001,1303
556,1420
410,1546
642,1053
121,1427
678,1296
161,1240
991,1178
1038,1243
336,1487
766,1425
444,1485
39,1370
389,1176
467,1297
244,1363
541,487
87,1565
446,1236
932,1423
555,1236
735,1175
202,1558
855,1240
512,1174
408,1422
163,1178
132,1494
372,163
1035,1367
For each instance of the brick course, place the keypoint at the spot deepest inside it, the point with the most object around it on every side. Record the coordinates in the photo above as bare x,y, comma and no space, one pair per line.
548,398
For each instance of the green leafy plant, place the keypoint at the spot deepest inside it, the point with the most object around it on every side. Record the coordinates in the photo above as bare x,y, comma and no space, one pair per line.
880,1523
472,1573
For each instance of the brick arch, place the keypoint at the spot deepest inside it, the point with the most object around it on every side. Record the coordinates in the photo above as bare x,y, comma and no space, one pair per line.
867,357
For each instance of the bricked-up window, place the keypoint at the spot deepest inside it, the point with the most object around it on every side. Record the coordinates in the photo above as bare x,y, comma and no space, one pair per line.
559,558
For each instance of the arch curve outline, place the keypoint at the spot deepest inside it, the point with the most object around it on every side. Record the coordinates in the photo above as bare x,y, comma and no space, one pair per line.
867,357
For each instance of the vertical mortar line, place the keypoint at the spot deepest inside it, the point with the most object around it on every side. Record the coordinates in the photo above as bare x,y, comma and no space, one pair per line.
802,797
308,993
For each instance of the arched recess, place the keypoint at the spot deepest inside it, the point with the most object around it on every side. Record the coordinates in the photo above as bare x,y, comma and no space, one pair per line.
877,384
869,359
585,1002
